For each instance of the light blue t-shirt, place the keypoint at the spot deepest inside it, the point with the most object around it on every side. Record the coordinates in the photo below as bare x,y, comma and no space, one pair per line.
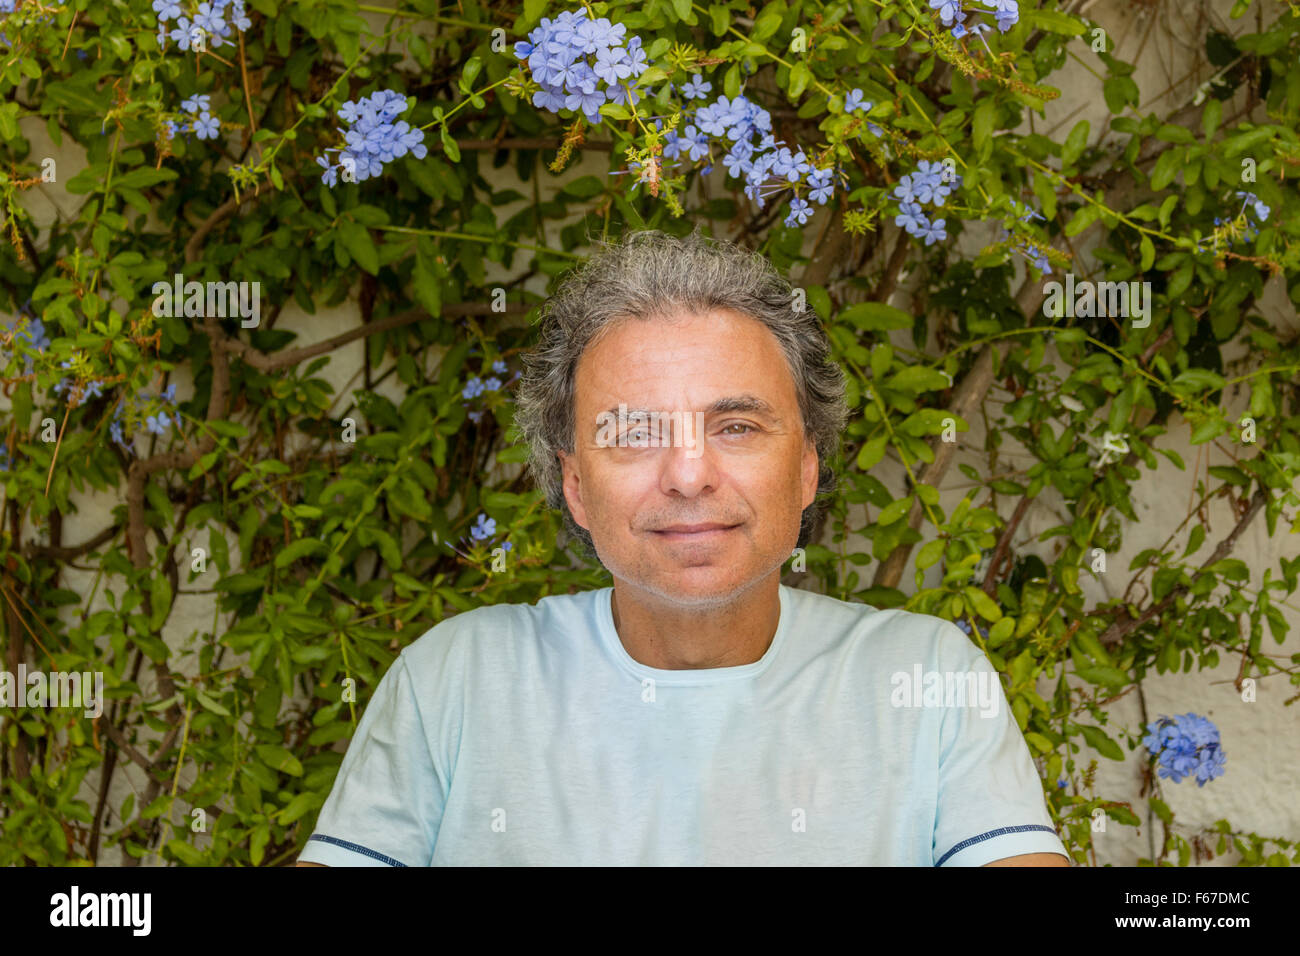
527,735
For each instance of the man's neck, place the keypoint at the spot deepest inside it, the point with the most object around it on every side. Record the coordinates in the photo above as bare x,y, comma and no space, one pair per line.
671,637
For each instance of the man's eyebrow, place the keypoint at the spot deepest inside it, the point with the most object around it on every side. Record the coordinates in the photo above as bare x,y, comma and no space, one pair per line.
730,403
743,403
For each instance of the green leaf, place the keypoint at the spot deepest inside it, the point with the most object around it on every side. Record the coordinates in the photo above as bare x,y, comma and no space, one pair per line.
895,510
1053,21
1211,117
872,452
357,241
984,605
800,77
279,758
1106,676
1082,219
930,554
982,123
876,317
298,549
449,144
1098,741
209,704
1075,143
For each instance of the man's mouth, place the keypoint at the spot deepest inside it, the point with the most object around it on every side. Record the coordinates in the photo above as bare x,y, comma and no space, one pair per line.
703,531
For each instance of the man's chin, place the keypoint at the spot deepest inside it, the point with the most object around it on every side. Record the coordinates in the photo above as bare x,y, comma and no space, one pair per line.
703,586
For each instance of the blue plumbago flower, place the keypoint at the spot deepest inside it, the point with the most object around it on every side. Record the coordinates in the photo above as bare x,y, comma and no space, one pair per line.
558,56
933,232
799,212
1007,13
141,409
473,388
373,138
821,185
158,423
484,528
166,10
692,141
499,367
331,175
949,10
492,384
181,33
1253,201
959,31
207,126
32,331
1186,744
853,102
928,184
198,103
696,88
1062,783
965,626
911,219
557,53
209,16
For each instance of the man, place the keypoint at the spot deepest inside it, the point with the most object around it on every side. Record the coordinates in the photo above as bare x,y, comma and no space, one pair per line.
681,410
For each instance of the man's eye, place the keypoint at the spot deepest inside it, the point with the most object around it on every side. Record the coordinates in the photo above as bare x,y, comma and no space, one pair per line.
748,428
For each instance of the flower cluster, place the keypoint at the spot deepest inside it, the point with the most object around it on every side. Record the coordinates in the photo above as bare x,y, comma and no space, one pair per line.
476,387
755,155
79,394
1186,744
484,528
930,184
953,14
207,20
31,331
202,123
1031,250
1250,203
571,56
372,137
144,410
9,6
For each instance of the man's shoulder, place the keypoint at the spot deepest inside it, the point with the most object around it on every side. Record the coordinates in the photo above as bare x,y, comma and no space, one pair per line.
885,629
497,628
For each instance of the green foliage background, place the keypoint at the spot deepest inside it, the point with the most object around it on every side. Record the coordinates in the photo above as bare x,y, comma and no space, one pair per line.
325,557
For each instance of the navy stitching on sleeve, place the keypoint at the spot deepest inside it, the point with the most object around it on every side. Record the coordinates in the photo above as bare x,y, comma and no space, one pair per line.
993,833
356,848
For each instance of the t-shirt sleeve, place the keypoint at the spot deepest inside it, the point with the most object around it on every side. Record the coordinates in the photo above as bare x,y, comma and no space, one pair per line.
386,804
990,799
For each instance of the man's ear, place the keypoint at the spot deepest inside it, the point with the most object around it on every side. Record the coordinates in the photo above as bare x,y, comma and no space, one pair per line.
572,487
808,479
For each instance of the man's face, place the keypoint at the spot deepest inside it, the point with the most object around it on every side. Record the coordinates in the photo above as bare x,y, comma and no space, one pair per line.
712,513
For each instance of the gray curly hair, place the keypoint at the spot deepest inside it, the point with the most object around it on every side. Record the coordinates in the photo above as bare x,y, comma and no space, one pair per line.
650,274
